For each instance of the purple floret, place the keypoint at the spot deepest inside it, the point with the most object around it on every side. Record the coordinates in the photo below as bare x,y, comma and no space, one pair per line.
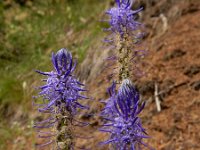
121,116
123,18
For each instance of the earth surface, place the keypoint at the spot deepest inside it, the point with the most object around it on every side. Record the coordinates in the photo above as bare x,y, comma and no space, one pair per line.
172,75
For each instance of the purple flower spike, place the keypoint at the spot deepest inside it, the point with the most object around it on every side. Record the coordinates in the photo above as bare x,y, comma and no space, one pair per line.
60,95
125,37
121,116
123,18
61,86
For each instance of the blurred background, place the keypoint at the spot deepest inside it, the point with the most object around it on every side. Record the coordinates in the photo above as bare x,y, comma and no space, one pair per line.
30,30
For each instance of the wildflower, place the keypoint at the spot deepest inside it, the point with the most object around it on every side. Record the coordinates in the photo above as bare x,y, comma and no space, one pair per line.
123,107
62,87
122,17
122,121
60,97
125,37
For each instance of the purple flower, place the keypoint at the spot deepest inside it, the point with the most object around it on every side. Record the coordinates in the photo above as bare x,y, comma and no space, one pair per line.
121,116
62,87
60,95
125,39
123,18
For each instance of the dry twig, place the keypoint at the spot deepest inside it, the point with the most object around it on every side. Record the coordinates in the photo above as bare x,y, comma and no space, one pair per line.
157,98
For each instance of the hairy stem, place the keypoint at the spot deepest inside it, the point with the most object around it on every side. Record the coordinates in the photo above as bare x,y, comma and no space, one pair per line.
65,138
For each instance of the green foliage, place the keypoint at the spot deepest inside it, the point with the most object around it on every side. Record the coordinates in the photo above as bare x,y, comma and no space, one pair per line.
29,32
6,86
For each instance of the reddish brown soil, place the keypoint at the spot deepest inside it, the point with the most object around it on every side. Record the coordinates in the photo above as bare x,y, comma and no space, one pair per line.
174,65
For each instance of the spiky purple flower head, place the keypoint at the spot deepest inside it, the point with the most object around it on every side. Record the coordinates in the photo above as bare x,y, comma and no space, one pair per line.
61,94
125,39
123,17
122,121
61,86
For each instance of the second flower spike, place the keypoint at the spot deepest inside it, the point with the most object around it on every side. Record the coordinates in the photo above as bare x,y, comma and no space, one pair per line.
121,116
